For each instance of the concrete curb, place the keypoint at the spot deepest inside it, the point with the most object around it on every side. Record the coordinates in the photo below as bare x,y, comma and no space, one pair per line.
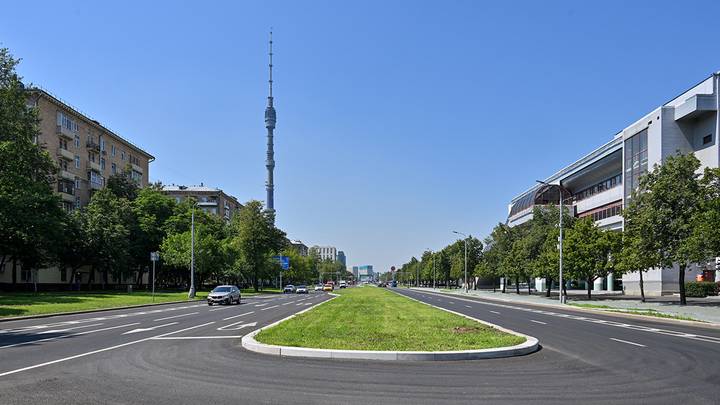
618,312
87,311
529,346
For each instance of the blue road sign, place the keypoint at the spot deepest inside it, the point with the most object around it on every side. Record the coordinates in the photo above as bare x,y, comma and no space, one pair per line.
284,261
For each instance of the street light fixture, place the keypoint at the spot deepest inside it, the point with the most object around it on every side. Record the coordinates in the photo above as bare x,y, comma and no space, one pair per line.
466,238
560,238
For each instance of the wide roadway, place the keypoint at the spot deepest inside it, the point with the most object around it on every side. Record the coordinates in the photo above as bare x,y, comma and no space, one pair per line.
190,353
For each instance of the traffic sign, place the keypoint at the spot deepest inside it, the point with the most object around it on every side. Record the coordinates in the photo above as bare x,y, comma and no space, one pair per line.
154,256
284,261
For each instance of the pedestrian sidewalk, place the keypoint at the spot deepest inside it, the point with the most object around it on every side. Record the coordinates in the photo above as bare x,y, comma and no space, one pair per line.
701,309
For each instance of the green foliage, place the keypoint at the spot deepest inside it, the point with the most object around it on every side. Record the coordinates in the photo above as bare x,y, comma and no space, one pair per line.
701,289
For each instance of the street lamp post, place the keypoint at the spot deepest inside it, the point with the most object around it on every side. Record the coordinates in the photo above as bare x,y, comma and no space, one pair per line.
191,294
433,265
560,239
465,281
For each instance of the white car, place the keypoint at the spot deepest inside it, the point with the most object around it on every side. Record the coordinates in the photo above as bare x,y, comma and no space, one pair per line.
318,287
301,289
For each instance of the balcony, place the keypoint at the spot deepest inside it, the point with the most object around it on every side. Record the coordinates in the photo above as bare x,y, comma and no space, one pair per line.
93,146
95,185
67,175
65,154
600,199
65,133
136,167
94,166
67,197
209,203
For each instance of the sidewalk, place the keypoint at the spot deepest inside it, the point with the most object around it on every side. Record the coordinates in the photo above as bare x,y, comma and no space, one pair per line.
701,309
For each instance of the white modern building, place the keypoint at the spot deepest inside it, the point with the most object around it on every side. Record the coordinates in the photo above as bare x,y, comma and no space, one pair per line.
325,252
600,183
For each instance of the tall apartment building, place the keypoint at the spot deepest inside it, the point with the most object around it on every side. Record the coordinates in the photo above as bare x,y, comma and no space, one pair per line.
86,151
341,258
602,181
209,199
325,252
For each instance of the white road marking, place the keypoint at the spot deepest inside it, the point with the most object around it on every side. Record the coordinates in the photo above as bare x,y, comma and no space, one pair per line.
175,316
495,312
630,343
274,306
67,329
308,303
298,304
260,305
150,328
47,363
237,326
287,303
468,306
238,316
197,337
219,308
452,302
70,335
541,323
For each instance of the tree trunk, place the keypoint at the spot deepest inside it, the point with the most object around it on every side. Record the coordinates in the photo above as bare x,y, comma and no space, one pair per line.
14,272
517,285
529,288
642,287
589,282
681,281
564,289
549,286
504,284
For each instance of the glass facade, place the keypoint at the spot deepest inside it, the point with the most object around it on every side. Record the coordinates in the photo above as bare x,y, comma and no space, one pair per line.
636,161
599,187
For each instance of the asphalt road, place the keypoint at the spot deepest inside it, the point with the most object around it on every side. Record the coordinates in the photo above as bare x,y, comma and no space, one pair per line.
190,353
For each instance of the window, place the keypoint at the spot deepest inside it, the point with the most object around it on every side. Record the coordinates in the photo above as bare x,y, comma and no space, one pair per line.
102,163
112,150
707,139
77,202
25,276
636,160
122,155
113,168
63,165
102,143
77,161
63,274
77,184
77,141
63,144
66,122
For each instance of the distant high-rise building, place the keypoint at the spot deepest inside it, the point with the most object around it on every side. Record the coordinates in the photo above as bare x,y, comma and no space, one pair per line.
301,248
341,258
364,273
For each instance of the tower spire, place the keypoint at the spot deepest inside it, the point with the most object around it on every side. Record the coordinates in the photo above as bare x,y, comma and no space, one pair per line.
270,119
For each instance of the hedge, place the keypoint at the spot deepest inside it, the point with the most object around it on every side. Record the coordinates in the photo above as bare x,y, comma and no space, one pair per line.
701,289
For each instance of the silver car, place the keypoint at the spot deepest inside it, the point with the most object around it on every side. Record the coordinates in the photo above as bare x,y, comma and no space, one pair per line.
224,294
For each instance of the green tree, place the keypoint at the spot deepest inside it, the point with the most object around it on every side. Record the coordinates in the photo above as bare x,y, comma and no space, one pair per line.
667,203
31,217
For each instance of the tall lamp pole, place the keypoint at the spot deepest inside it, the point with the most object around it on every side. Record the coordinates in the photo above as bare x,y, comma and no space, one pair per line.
560,238
191,294
466,238
433,265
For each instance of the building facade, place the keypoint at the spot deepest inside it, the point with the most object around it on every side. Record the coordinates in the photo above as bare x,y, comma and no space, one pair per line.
86,151
364,273
341,258
209,199
600,184
325,252
301,248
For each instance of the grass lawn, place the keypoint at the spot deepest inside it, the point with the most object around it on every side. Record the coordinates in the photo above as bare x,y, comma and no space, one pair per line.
22,304
372,318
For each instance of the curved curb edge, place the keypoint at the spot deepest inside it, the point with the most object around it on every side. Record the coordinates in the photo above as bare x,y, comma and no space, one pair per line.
530,345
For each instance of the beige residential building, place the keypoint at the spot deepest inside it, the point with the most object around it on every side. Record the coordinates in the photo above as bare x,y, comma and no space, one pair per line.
86,151
209,199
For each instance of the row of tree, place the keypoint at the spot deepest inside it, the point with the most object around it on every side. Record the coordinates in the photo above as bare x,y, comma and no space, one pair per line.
672,219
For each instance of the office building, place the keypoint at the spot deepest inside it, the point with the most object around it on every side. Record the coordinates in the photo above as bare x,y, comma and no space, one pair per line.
325,252
209,199
341,258
364,273
601,182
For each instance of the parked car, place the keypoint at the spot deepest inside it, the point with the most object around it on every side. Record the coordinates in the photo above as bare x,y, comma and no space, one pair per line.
301,289
319,287
224,294
289,289
343,284
328,287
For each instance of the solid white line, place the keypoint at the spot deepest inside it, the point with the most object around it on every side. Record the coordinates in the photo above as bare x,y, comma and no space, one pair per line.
238,316
468,306
541,323
494,312
630,343
175,316
45,332
260,305
47,363
197,337
70,335
274,306
288,303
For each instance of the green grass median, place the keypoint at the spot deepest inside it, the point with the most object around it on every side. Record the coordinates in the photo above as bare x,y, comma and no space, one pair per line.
371,318
25,304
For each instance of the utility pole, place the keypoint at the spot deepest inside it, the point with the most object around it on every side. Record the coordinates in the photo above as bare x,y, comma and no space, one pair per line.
560,238
191,294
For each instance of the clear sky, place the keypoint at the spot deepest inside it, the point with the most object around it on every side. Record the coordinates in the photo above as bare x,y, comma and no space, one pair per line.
398,121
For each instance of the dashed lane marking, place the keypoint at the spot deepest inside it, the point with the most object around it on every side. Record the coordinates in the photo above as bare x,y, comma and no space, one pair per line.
540,322
627,342
175,316
274,306
87,332
238,316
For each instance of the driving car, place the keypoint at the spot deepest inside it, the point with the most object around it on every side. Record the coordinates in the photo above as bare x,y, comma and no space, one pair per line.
301,289
319,287
328,287
289,289
343,284
224,294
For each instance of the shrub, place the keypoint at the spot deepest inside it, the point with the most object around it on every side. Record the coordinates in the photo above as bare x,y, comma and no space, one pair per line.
701,289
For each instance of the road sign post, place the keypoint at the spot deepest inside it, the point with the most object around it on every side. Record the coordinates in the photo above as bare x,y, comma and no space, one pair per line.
154,256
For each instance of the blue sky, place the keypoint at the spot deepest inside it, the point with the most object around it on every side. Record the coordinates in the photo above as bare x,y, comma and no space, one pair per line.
398,122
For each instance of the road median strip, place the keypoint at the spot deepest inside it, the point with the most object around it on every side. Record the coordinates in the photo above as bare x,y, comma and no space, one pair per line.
464,333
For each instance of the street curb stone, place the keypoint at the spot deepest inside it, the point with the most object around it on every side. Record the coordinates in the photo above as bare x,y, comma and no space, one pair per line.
530,345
